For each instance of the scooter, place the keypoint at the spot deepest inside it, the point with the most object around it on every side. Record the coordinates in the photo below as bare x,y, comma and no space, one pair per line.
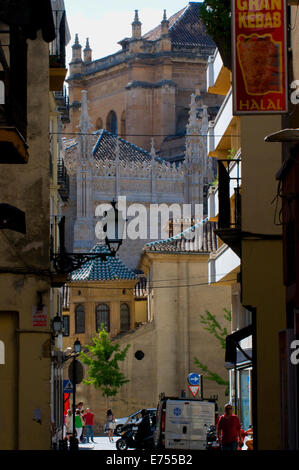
212,443
127,440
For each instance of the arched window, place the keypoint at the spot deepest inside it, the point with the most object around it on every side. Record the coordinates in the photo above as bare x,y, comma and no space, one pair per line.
111,122
124,317
99,123
79,319
102,317
123,125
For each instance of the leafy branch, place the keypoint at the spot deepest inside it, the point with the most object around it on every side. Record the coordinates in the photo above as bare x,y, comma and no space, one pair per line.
220,333
102,361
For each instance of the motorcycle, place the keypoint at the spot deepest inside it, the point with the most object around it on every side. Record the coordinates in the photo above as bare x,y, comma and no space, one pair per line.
127,440
212,443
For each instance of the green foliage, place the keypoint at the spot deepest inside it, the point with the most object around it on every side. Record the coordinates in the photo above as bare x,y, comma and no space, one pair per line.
216,15
214,328
231,154
102,361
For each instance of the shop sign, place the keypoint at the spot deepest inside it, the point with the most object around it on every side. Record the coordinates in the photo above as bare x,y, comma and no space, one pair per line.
39,316
259,56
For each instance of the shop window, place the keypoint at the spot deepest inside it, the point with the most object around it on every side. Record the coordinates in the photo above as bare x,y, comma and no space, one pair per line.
124,317
102,317
79,319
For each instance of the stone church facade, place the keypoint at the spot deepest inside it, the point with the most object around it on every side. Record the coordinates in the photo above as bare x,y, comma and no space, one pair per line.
103,167
143,90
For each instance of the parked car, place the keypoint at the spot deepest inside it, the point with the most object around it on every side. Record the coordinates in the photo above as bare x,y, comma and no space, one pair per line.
134,418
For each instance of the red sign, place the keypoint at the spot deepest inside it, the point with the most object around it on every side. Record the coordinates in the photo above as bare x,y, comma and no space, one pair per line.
39,316
194,389
259,56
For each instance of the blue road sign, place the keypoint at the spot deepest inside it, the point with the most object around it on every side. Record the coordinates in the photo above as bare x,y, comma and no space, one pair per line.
193,379
67,386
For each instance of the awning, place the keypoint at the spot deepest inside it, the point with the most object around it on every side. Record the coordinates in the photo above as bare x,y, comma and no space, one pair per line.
30,15
232,356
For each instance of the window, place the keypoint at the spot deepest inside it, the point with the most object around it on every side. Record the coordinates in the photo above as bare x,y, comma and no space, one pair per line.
66,325
103,317
111,122
79,319
124,317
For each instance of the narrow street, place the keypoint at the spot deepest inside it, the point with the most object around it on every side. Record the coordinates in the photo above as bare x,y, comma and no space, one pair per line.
100,443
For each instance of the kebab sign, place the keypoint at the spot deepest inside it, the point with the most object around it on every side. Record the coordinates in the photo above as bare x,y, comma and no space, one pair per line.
260,54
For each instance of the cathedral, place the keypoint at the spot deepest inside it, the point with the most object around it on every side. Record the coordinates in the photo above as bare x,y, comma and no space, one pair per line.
143,90
138,125
138,128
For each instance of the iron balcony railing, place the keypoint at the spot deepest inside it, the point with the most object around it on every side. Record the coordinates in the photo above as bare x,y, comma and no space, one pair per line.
228,186
63,180
57,47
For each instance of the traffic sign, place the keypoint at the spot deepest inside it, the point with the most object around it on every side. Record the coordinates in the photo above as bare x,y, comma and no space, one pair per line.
67,386
77,367
193,379
194,389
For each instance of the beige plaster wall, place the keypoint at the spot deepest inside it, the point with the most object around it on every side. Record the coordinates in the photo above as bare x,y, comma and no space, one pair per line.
170,341
27,187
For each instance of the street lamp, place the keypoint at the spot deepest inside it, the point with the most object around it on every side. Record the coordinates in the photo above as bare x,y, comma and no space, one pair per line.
65,263
57,324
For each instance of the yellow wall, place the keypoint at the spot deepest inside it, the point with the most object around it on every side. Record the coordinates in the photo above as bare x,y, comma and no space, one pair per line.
262,284
27,187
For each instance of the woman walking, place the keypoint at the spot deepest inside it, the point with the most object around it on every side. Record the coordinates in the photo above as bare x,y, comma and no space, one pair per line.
79,423
110,423
68,424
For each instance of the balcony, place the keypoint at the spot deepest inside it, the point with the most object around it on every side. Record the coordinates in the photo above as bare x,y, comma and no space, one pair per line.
62,101
63,180
229,196
13,95
218,76
57,68
224,265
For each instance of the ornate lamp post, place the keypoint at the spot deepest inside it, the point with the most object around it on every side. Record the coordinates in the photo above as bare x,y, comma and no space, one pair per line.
64,263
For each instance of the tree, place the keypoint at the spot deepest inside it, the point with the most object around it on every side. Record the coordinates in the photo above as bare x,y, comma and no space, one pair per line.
220,333
102,361
216,15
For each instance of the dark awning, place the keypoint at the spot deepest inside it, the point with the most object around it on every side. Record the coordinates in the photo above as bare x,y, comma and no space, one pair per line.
232,344
31,16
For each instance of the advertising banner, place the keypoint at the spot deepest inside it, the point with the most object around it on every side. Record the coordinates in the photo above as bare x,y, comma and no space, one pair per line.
259,56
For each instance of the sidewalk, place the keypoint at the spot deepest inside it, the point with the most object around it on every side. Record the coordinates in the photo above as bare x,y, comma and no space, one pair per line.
100,443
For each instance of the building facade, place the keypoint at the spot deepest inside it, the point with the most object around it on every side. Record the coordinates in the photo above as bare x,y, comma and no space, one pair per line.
143,91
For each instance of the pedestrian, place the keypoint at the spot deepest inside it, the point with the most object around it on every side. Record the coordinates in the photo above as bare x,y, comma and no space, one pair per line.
80,407
88,418
79,422
229,429
110,424
68,421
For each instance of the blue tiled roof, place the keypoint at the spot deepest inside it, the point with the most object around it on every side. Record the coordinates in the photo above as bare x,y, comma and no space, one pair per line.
98,270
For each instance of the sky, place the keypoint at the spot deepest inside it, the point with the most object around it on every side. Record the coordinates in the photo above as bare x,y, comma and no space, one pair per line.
107,22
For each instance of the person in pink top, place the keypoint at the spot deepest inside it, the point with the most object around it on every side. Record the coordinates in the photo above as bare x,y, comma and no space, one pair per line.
88,417
229,429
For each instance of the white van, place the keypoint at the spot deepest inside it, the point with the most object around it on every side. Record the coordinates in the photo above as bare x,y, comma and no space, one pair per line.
183,423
